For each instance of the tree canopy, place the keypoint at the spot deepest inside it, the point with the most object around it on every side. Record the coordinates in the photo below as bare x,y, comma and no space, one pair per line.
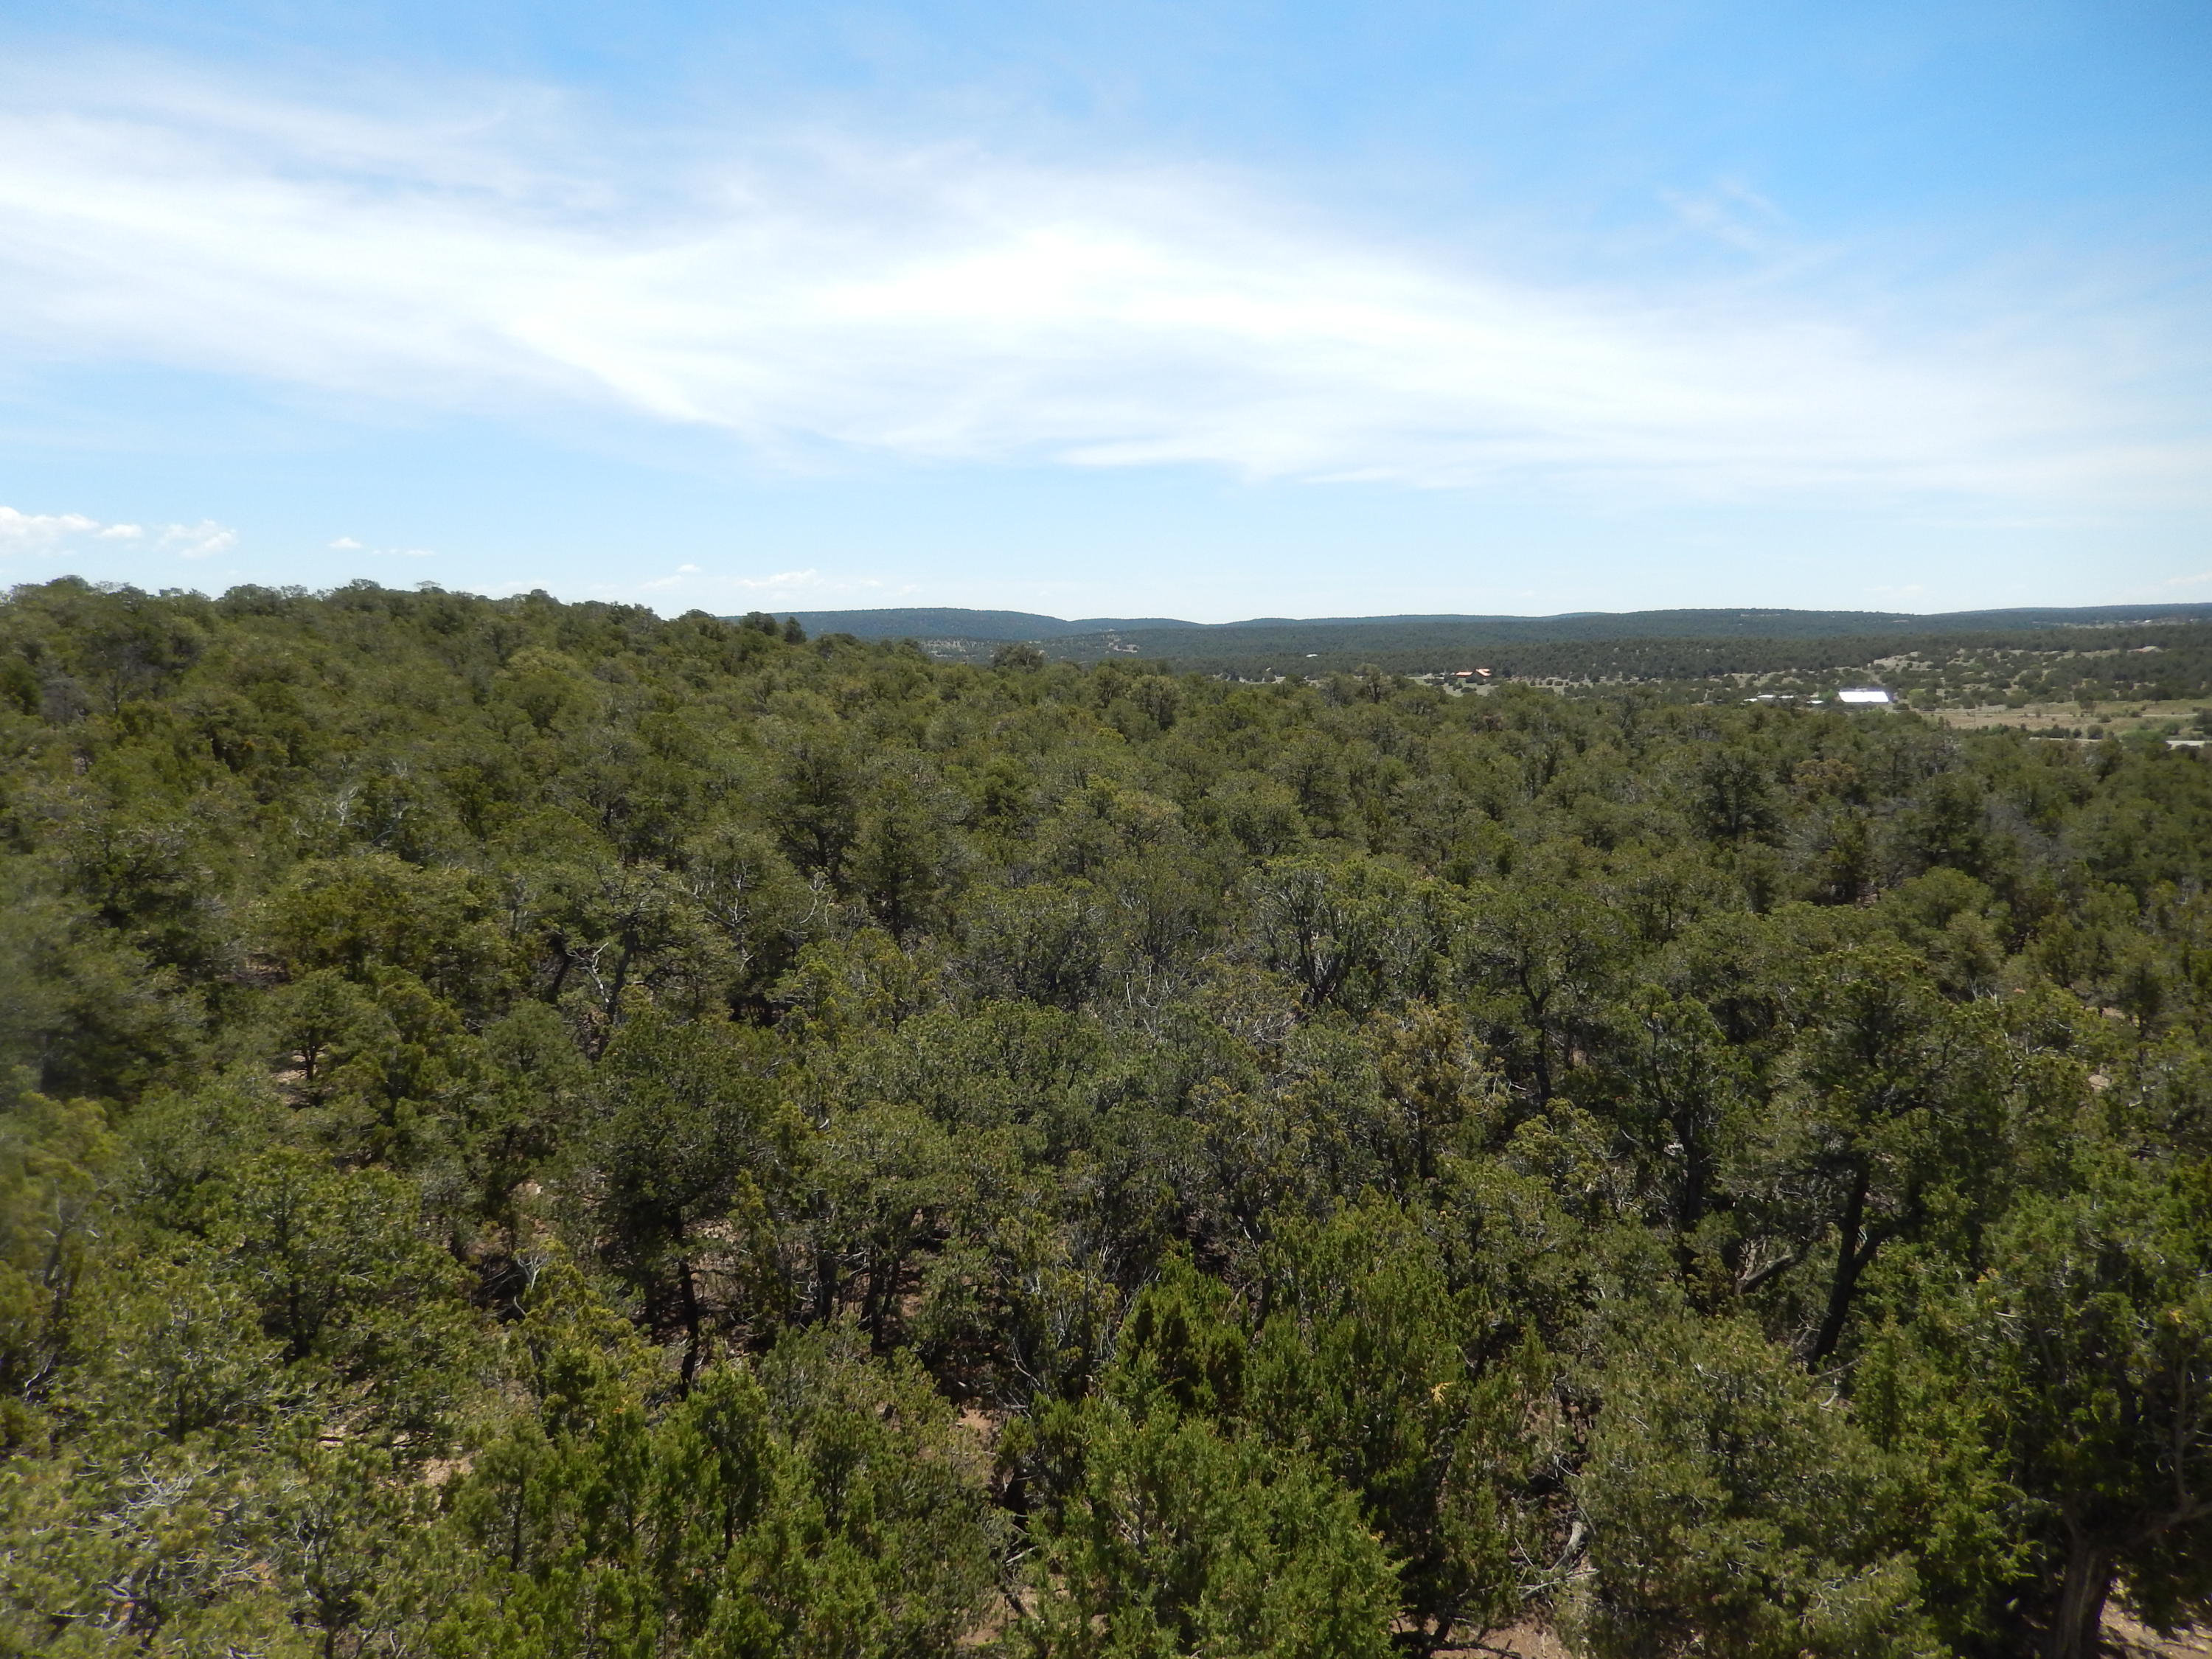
536,1129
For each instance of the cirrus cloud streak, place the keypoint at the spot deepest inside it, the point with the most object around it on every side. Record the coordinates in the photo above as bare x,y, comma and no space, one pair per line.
944,303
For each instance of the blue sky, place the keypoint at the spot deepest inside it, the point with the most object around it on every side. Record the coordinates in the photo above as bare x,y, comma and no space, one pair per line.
1207,310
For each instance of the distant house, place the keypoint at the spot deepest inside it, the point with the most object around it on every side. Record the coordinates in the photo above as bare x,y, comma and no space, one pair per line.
1863,694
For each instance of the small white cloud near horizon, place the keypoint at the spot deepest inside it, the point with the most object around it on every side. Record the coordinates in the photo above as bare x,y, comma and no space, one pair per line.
804,294
197,541
22,531
349,545
39,532
787,585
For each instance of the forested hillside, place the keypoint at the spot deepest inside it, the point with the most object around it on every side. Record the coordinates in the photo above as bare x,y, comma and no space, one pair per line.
537,1130
2152,653
2047,670
2155,661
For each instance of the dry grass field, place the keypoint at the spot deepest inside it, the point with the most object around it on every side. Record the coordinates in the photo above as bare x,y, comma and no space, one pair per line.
2055,719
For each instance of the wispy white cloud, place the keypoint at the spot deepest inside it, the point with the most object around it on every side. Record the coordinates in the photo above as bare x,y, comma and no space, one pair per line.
21,532
39,532
351,544
197,541
946,303
780,587
1731,213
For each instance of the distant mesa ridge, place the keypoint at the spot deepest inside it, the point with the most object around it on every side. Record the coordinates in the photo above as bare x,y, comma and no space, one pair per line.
949,622
926,622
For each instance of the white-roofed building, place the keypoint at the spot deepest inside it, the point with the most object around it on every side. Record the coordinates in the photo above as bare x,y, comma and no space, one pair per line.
1862,695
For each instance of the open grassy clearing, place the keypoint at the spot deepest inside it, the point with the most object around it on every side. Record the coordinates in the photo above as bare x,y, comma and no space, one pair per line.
2174,719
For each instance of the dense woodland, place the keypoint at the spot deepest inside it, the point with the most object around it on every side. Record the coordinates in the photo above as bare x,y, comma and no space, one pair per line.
539,1130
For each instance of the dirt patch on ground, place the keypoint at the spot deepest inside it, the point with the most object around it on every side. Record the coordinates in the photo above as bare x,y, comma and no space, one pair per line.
2125,1635
2131,1640
1522,1642
1528,1642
